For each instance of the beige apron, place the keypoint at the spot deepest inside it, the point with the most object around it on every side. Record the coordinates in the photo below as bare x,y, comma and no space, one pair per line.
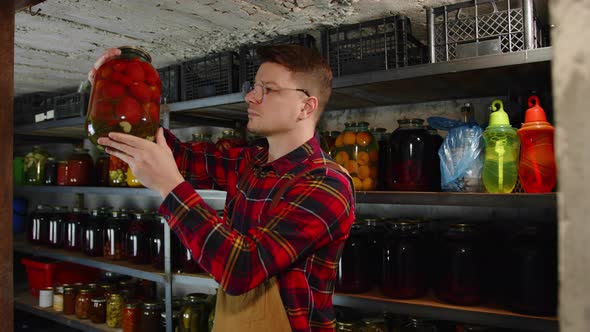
260,309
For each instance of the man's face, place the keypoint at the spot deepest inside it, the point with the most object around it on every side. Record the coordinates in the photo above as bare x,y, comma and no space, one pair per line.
280,108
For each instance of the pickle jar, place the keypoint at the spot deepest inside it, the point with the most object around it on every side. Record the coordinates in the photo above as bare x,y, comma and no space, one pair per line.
101,170
38,225
50,172
114,310
62,173
57,222
130,317
228,140
98,310
357,151
80,168
150,317
201,141
194,315
34,166
117,172
125,97
73,232
115,233
82,306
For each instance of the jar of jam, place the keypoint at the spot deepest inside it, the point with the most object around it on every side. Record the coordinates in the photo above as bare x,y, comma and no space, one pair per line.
138,239
34,166
201,141
75,220
80,168
115,235
376,229
187,262
194,315
358,152
62,173
38,225
125,97
93,238
82,303
157,246
117,172
98,310
410,157
69,300
114,310
150,317
228,140
56,227
404,261
101,170
130,317
460,265
132,181
50,175
354,272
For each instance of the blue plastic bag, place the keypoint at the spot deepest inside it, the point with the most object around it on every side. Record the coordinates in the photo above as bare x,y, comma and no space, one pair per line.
461,158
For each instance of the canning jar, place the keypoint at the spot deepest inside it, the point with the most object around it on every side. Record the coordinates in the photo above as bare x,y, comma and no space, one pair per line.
58,300
38,225
62,173
74,224
175,319
117,172
82,303
410,157
460,264
404,261
115,234
98,310
125,97
201,141
50,172
228,140
373,324
376,229
80,168
157,246
150,317
34,166
69,300
194,315
358,152
93,238
114,310
130,317
132,181
354,272
56,233
187,262
138,239
101,170
127,289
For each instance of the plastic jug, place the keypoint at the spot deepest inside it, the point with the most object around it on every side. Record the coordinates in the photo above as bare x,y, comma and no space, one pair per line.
501,155
536,170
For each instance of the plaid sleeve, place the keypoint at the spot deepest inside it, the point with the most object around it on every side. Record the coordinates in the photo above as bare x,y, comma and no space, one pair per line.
205,168
314,212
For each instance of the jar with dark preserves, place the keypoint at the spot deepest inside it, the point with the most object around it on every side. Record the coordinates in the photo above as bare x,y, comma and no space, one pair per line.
358,152
117,172
62,173
130,317
354,272
460,265
75,221
34,166
114,310
157,246
175,319
82,303
127,289
125,97
150,317
93,238
404,261
50,175
138,239
98,310
187,262
376,229
194,314
80,168
101,170
69,300
56,227
115,234
38,225
228,140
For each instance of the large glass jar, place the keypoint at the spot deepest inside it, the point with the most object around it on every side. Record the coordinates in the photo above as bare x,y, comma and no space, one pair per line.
175,319
114,310
157,246
201,141
404,261
228,140
83,303
187,262
410,157
460,265
38,225
115,234
138,239
92,238
101,170
376,229
125,97
34,166
194,315
354,272
150,317
74,231
62,173
98,310
117,172
358,152
437,141
57,222
50,172
130,317
80,168
69,300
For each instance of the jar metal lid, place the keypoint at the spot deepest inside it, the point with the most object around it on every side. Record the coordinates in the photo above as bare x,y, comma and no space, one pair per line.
98,300
137,50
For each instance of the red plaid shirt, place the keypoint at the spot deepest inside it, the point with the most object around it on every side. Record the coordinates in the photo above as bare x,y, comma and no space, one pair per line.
299,241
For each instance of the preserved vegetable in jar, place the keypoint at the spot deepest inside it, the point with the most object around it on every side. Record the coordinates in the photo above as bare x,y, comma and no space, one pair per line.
194,315
80,168
73,229
69,307
50,173
38,225
117,172
62,173
130,317
358,152
56,233
34,166
101,170
132,181
150,317
228,140
354,272
98,310
114,310
138,239
125,97
82,303
115,234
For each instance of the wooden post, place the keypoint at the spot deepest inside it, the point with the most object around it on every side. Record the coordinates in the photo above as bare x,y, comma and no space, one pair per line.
6,129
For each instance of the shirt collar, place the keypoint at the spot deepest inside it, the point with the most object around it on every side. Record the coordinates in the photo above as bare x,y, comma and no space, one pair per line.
292,159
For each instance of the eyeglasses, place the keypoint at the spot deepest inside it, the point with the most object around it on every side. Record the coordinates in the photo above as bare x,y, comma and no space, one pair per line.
260,90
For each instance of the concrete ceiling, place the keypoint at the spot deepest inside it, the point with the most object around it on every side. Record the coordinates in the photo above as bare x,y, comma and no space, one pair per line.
55,48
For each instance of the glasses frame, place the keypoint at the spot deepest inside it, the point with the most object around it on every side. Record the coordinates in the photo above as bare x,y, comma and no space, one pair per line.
248,87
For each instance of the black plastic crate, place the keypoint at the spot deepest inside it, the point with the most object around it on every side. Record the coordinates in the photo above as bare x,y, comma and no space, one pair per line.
249,61
170,77
209,76
70,105
27,106
380,44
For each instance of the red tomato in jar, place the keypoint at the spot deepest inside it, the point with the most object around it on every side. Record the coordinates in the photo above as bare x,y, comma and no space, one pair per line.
153,110
116,76
119,65
126,81
156,93
113,90
135,72
151,75
141,91
103,112
105,71
98,86
129,110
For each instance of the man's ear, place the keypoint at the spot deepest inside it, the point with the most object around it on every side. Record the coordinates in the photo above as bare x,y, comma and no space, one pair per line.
309,108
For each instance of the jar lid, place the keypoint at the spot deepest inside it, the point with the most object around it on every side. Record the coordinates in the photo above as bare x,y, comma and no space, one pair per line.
68,289
412,121
137,50
106,286
197,297
84,291
151,305
50,159
63,162
115,296
334,133
131,305
98,300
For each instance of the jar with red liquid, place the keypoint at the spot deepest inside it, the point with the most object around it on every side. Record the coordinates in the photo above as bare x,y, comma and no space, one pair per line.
80,168
130,317
93,238
75,221
228,140
410,157
101,170
376,229
115,234
536,169
404,261
188,264
57,221
460,265
62,173
125,97
157,246
38,225
201,141
354,271
138,239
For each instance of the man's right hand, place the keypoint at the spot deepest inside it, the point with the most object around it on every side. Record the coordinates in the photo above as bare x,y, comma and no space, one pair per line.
108,54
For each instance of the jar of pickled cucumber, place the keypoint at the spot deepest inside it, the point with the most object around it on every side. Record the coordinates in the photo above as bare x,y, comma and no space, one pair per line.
117,172
34,166
114,310
125,97
357,151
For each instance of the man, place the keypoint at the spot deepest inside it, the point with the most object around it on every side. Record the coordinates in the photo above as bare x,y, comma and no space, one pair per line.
288,210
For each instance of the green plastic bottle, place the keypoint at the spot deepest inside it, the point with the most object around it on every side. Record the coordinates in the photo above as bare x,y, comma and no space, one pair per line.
500,168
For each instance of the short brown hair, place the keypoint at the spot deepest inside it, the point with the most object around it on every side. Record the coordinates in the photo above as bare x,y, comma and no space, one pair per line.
307,65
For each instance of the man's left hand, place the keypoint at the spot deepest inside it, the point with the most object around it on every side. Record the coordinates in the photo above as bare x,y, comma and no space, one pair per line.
152,163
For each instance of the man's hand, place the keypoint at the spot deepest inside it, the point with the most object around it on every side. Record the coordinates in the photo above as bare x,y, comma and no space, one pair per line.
152,163
108,54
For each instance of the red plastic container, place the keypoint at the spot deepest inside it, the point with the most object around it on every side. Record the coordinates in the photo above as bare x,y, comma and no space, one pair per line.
41,274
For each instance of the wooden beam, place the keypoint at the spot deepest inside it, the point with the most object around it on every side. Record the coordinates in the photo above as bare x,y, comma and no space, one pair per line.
23,4
6,130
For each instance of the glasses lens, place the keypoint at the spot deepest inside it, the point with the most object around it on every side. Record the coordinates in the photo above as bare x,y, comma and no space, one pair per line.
247,87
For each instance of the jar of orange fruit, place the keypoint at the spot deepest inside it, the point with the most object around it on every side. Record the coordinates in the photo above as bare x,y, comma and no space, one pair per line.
358,151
